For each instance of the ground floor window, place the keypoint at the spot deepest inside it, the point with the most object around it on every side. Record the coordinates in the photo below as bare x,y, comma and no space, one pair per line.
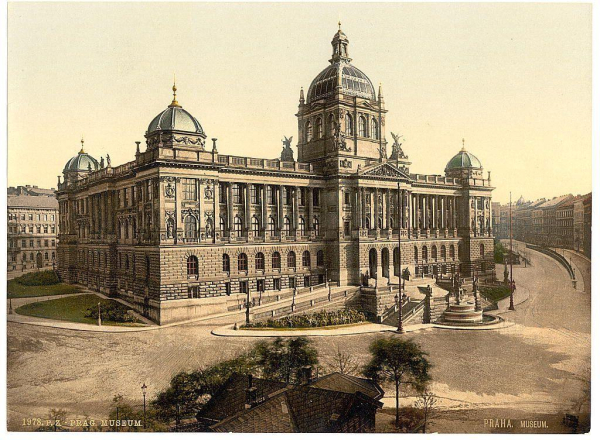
307,281
321,279
243,286
260,285
292,283
193,292
228,288
276,284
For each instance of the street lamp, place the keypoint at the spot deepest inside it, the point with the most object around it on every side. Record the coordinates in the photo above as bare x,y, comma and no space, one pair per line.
248,306
144,387
99,316
512,303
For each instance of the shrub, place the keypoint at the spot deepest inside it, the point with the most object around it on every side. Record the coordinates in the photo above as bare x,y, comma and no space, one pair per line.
495,293
42,278
318,319
112,311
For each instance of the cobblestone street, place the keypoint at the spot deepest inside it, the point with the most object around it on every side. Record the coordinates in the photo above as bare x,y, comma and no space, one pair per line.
539,365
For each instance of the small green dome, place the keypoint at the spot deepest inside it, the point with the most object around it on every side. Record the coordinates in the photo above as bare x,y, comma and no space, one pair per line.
82,162
463,159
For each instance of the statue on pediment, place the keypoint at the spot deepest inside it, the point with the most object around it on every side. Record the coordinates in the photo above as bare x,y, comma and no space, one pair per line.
397,152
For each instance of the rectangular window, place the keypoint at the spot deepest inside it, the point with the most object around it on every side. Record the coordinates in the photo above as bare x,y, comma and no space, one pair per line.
346,229
30,243
236,193
30,216
228,288
254,196
346,198
189,189
292,282
271,195
302,196
53,243
243,286
45,243
222,193
307,281
276,284
260,285
24,243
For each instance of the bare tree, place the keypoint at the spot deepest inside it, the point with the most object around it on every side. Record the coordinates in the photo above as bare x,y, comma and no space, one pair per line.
426,402
343,362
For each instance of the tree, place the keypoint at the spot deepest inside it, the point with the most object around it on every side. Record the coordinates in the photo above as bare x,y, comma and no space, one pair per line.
426,402
342,362
406,274
284,359
399,361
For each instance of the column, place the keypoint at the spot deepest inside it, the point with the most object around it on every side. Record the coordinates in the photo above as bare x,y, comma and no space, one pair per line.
309,196
216,210
263,209
247,215
229,208
359,207
387,209
280,208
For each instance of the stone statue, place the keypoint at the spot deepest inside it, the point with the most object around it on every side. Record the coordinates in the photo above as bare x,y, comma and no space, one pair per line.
209,228
397,152
287,154
339,139
475,284
169,228
108,161
101,162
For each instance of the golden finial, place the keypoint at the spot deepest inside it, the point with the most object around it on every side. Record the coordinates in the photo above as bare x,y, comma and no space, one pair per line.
81,151
463,147
339,25
174,103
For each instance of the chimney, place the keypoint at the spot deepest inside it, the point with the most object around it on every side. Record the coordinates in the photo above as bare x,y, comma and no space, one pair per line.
306,375
251,399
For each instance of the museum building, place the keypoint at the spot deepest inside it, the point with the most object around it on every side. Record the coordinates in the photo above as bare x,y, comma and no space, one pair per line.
181,228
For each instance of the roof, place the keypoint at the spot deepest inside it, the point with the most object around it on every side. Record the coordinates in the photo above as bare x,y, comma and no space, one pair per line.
349,384
82,162
32,202
322,406
463,159
556,201
177,119
353,81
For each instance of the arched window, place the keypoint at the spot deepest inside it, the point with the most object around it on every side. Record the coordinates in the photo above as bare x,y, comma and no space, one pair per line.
318,128
302,226
443,252
226,263
374,129
271,226
452,251
190,226
349,125
259,261
434,253
482,250
147,265
291,259
331,125
380,222
192,265
237,226
424,253
316,225
255,226
45,255
368,222
242,262
416,254
320,258
307,131
126,261
221,223
362,126
286,226
306,259
276,260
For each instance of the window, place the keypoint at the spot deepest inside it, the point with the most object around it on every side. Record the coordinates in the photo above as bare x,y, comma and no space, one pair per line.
291,259
286,226
254,196
226,264
331,124
287,195
271,226
302,226
346,198
190,227
271,196
237,226
292,282
320,258
236,193
243,286
222,193
316,197
434,253
31,218
349,125
316,225
221,223
242,262
255,226
416,254
347,228
276,260
362,126
374,129
53,229
424,253
189,189
443,252
481,250
302,197
45,255
306,259
259,261
227,288
367,222
318,128
451,251
380,222
307,131
276,284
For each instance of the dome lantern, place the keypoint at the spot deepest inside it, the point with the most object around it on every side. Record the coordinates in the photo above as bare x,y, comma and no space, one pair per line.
463,163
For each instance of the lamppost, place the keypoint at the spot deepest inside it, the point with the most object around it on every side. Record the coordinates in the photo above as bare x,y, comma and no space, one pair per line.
400,327
10,309
293,299
99,316
248,306
144,387
512,303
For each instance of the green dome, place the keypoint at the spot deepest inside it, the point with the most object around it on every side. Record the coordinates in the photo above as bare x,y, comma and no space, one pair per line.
82,162
463,159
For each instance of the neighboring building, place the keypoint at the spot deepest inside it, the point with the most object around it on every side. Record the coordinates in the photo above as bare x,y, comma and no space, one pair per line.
582,224
564,224
31,190
496,219
334,403
182,227
32,229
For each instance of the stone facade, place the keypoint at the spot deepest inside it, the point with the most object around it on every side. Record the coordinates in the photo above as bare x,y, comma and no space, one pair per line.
182,228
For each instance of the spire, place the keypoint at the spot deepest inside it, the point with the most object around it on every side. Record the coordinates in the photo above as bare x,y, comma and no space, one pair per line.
463,145
174,103
340,47
380,94
82,150
301,95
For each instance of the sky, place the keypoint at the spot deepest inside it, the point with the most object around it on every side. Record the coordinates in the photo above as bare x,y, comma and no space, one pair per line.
513,80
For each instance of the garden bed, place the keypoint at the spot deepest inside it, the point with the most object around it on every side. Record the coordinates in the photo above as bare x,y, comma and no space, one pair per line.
495,293
340,318
42,283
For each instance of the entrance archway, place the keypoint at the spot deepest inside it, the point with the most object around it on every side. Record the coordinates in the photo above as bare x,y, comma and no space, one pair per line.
373,263
385,263
38,259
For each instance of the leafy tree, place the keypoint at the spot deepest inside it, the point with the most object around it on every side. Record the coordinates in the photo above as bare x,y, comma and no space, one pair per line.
401,362
187,392
426,402
499,252
283,359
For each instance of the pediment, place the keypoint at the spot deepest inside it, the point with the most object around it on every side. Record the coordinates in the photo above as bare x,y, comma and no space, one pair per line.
385,169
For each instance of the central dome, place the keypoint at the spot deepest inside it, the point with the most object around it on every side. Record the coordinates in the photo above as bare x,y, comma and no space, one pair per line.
351,80
175,118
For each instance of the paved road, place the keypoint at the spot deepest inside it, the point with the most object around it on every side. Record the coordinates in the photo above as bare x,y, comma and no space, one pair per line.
538,365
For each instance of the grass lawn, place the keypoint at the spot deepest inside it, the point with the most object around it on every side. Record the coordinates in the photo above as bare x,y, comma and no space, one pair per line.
495,294
17,290
71,308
